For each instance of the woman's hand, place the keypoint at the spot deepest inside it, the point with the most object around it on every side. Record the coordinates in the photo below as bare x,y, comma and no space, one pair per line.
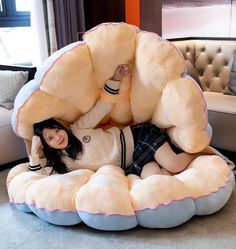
121,71
36,145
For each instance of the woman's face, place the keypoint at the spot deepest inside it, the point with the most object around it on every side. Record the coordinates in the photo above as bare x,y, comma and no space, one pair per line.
55,138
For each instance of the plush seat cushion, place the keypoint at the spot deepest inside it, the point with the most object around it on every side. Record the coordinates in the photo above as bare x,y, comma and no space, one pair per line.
159,90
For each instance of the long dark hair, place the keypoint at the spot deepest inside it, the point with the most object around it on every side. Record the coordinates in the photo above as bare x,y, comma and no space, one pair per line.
52,155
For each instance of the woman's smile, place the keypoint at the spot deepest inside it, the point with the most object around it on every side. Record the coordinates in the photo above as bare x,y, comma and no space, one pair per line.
61,141
55,138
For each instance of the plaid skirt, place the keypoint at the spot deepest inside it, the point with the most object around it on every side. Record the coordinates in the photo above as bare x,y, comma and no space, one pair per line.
148,138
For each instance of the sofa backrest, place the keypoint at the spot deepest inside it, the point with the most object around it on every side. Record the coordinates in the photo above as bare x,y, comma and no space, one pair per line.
30,69
212,60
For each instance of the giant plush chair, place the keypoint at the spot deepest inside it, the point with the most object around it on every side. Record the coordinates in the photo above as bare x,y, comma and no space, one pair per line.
159,90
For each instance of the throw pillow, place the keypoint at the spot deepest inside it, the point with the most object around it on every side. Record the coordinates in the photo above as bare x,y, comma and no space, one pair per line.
10,84
232,81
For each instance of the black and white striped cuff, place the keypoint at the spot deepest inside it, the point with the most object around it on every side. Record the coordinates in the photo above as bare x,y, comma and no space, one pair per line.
112,87
110,90
34,163
35,167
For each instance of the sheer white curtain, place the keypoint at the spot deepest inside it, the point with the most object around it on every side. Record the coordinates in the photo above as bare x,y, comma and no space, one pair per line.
40,51
50,27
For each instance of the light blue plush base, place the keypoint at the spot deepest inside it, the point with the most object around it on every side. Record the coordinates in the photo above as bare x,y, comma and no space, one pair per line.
164,216
215,201
57,217
22,207
109,222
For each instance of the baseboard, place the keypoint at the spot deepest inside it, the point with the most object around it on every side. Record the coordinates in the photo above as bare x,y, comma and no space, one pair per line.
12,164
230,154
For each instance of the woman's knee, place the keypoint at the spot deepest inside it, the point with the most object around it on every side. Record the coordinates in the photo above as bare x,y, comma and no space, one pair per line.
151,168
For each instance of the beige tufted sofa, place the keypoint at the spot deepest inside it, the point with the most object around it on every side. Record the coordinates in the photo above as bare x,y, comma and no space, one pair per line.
210,63
12,148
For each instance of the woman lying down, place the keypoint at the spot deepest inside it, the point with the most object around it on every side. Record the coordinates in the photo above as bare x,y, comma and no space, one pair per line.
142,149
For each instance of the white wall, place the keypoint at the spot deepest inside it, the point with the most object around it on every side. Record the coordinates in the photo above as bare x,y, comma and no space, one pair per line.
206,21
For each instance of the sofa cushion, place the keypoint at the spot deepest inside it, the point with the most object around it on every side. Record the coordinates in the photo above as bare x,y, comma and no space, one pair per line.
10,84
5,117
219,102
11,147
223,125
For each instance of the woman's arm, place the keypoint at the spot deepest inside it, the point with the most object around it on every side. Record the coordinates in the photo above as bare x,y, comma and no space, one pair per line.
35,163
92,118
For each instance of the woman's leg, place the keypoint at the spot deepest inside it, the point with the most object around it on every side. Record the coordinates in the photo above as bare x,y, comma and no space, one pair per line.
153,168
165,172
171,161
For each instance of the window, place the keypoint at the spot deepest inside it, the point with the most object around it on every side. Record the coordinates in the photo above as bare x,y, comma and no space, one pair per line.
14,13
15,26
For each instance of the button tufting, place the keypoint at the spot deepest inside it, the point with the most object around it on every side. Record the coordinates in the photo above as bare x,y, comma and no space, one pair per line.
210,60
216,74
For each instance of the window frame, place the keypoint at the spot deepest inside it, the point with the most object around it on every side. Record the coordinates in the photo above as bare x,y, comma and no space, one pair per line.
3,12
10,17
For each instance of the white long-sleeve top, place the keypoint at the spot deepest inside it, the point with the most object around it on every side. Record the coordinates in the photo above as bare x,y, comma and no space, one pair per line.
100,147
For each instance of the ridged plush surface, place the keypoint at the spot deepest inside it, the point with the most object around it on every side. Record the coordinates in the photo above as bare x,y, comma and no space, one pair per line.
108,200
68,84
